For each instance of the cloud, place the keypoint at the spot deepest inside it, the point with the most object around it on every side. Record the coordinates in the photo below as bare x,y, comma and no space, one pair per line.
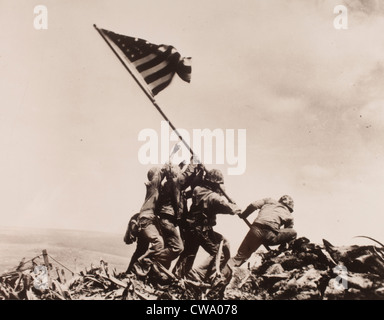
365,7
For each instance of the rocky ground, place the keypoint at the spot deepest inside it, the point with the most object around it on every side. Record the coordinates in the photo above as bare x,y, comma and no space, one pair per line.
306,271
302,271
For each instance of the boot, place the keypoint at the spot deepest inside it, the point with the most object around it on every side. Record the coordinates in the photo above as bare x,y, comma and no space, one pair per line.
142,267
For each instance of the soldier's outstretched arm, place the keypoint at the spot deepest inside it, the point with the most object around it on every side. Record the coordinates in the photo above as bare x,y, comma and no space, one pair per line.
223,205
255,206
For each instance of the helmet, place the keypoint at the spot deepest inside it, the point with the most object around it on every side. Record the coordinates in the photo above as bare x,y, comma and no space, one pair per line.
287,201
151,172
215,176
172,170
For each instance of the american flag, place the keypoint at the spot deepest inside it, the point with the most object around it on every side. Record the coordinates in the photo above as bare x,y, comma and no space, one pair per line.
156,64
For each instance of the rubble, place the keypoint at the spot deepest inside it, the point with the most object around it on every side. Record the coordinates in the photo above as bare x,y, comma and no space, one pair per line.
306,271
303,271
96,283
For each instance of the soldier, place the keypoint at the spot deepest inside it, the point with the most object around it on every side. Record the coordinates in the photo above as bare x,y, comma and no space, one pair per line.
133,235
207,201
169,210
266,229
187,258
147,224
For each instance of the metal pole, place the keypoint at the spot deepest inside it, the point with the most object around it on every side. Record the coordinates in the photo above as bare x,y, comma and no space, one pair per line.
152,99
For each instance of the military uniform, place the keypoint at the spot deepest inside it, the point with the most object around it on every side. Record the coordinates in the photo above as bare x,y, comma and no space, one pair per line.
206,204
169,210
266,229
150,241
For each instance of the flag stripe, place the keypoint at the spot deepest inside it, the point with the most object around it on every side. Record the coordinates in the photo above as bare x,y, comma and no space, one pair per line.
128,62
155,65
154,69
152,63
159,74
160,84
143,60
184,69
170,68
165,56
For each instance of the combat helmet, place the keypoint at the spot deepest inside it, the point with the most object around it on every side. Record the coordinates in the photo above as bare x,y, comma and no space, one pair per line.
215,176
151,172
288,202
172,170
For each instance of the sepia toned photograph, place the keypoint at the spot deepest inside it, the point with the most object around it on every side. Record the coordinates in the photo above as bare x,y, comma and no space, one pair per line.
198,151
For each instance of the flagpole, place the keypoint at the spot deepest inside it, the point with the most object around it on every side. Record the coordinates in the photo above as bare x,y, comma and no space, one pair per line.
152,99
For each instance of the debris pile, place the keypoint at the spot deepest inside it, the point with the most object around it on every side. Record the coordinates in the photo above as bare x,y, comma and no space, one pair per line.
306,271
36,280
301,271
100,283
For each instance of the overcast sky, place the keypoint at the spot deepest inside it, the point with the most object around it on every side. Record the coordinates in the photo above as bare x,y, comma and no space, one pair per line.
310,97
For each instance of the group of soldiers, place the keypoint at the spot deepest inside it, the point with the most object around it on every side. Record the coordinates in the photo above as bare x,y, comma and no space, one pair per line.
178,216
